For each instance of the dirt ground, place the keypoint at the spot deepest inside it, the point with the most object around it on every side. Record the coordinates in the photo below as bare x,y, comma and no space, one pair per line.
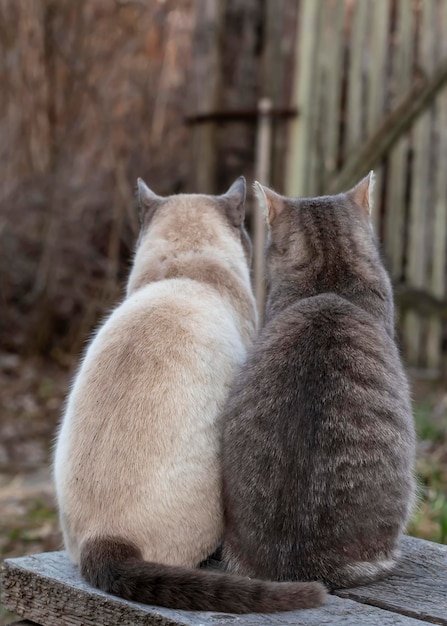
32,392
32,395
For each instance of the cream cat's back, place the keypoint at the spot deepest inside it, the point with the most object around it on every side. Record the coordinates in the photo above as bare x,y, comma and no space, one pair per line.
176,343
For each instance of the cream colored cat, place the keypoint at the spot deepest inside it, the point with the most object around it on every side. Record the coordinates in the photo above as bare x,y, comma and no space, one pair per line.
137,464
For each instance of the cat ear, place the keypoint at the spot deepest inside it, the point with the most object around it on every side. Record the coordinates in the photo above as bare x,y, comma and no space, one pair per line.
269,201
362,193
235,201
148,201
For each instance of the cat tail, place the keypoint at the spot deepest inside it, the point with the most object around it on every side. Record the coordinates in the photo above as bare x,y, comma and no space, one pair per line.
117,567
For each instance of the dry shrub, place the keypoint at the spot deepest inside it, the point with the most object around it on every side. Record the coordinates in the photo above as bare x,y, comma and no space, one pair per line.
93,95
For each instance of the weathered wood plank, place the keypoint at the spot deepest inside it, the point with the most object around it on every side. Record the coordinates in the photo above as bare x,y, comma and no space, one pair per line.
377,80
420,196
393,126
273,77
438,223
315,154
359,44
398,164
300,138
419,587
377,63
47,589
335,16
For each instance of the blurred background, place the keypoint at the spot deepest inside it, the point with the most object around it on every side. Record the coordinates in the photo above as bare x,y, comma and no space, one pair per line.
307,96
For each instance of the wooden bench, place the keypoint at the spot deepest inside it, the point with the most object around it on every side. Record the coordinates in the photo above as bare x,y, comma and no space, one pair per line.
47,590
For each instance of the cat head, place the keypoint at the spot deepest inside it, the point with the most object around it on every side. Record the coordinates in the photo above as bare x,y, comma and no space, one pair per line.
323,244
193,221
189,224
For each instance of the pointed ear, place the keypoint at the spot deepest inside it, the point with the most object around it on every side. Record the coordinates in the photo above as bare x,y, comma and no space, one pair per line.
235,201
269,201
148,201
362,193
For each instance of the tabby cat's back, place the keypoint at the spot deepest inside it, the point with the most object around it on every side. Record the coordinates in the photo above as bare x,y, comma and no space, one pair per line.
319,441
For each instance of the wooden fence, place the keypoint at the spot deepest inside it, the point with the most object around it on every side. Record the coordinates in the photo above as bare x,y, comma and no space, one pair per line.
353,85
358,63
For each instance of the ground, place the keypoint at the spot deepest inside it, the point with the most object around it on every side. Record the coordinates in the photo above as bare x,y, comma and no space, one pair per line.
32,394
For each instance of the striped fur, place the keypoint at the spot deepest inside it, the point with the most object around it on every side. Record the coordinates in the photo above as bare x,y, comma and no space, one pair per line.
319,443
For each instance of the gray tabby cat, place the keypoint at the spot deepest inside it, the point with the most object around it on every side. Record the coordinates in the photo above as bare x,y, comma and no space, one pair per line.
318,434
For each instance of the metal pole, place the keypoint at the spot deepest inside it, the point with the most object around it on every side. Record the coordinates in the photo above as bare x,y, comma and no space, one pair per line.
262,174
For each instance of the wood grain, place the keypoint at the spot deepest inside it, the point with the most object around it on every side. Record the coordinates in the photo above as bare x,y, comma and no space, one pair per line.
419,587
398,163
330,135
47,589
420,196
438,223
297,176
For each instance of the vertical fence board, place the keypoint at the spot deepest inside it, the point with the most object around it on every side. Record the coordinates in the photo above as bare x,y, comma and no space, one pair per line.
303,99
274,75
397,168
420,177
439,222
377,74
318,110
379,51
355,118
333,60
386,43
